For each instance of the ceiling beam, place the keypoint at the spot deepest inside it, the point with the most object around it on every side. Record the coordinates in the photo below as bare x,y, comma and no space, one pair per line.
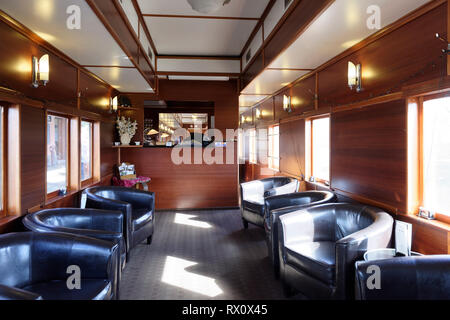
144,25
199,58
178,16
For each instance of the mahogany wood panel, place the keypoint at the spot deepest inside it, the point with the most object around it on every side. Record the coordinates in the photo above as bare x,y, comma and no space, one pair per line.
292,148
185,186
368,153
267,113
427,239
395,60
33,149
303,96
15,69
94,95
108,155
256,67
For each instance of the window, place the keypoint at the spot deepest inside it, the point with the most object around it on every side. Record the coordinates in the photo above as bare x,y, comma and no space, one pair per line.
435,164
252,146
320,149
86,150
57,154
273,156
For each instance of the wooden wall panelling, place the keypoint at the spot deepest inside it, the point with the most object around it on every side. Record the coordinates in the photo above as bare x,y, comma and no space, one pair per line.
303,96
386,63
292,148
267,113
15,68
108,154
94,95
33,151
369,153
278,105
185,186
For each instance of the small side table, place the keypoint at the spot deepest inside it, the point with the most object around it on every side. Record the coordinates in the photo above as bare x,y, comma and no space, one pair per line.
382,254
140,183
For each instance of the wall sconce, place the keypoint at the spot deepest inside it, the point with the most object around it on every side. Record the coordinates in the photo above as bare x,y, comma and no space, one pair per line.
40,71
258,113
287,103
114,104
242,119
355,76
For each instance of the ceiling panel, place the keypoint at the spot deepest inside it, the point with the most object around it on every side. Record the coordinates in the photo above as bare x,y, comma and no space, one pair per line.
236,8
199,65
91,45
341,26
123,79
270,81
250,100
210,37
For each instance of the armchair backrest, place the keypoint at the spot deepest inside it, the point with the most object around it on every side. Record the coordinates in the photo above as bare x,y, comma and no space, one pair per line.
29,257
406,278
351,218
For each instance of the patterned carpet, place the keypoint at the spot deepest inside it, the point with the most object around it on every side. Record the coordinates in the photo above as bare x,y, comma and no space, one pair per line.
201,255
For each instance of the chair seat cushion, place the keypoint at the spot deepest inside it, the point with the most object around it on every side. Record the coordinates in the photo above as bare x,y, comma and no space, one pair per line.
255,205
141,217
91,289
318,259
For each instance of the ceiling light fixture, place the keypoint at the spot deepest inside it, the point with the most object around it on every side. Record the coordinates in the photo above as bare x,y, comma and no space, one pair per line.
207,6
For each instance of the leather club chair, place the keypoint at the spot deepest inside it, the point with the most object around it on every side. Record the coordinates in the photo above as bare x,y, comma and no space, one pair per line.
320,245
406,278
253,194
277,206
99,224
137,206
34,266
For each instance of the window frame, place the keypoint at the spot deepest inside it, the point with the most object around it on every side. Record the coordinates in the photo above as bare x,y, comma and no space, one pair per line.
420,101
311,151
89,181
270,147
253,154
55,194
3,139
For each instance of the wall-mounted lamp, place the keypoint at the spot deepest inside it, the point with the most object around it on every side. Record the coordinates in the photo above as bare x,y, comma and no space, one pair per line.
40,71
258,113
114,104
287,103
242,119
355,76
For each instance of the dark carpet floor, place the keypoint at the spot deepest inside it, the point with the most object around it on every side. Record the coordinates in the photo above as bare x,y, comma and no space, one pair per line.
208,256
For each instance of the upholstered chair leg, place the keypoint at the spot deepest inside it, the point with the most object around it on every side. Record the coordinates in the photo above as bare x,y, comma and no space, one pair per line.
149,240
245,223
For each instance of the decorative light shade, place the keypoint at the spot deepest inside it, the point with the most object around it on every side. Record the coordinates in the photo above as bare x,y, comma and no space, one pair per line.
354,76
115,104
287,103
242,119
258,113
207,6
152,132
40,70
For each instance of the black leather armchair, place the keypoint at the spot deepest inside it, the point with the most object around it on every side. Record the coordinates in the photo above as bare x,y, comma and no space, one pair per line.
320,245
99,224
34,266
253,194
277,206
406,278
137,206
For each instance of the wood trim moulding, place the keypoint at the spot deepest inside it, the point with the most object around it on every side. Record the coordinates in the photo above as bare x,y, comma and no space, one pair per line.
202,74
369,102
365,200
179,16
22,29
135,35
104,21
145,27
162,57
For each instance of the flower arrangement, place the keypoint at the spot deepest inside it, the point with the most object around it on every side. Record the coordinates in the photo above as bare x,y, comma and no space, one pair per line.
127,129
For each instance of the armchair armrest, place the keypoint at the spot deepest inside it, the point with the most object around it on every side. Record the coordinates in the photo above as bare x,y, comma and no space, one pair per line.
291,187
9,293
352,248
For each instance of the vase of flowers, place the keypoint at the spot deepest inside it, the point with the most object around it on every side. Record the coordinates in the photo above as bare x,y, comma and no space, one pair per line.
127,129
